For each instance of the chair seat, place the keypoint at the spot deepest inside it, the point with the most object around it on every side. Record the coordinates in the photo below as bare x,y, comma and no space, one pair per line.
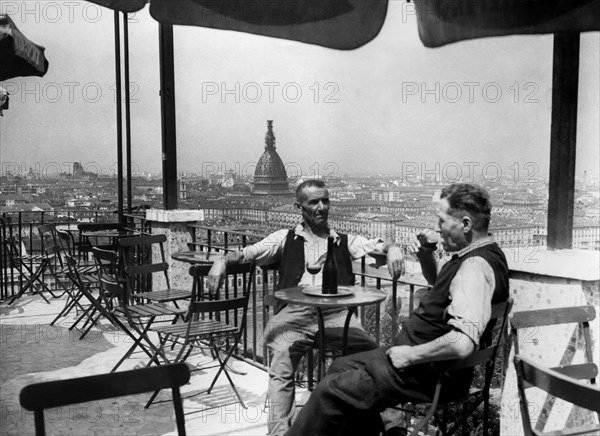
197,328
165,295
32,257
152,309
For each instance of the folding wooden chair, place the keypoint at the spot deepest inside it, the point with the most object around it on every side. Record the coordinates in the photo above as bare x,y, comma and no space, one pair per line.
580,316
530,374
31,268
136,261
40,396
526,324
138,317
96,309
70,246
216,324
484,358
57,245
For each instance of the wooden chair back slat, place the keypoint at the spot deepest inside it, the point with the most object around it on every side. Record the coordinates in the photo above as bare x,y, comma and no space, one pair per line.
545,317
146,269
217,305
578,371
40,396
142,240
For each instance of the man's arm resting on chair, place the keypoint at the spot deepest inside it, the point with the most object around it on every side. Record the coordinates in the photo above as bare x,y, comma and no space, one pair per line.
453,345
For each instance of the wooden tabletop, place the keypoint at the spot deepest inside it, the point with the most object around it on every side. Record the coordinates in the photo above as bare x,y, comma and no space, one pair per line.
195,257
348,296
110,233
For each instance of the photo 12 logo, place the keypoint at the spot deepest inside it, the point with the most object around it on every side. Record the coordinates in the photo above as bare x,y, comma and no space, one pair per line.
293,169
271,92
469,92
52,11
69,92
51,171
453,172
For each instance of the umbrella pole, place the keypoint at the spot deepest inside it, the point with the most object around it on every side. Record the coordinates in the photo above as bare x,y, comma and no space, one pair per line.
127,109
119,119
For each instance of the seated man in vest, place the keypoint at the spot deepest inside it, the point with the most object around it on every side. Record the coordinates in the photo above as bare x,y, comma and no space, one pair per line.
294,250
448,324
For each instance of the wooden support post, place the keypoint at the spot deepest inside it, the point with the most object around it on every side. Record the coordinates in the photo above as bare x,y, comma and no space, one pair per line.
565,80
167,104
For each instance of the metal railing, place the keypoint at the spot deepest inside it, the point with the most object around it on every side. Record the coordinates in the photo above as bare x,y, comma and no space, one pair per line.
23,227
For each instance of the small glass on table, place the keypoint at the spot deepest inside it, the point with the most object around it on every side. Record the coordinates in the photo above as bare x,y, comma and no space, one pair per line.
314,268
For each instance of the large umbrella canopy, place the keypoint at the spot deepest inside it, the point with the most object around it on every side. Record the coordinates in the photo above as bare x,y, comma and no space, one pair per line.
18,55
348,24
339,24
3,99
442,22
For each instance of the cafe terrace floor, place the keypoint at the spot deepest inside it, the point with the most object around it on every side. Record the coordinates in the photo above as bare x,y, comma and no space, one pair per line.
33,351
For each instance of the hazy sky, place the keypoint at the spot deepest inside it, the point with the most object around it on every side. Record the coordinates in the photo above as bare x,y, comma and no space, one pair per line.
392,106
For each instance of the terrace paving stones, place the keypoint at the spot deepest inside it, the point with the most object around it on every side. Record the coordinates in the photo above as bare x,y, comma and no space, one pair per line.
31,351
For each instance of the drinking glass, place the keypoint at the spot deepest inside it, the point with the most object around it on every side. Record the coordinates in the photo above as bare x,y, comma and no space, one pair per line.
313,269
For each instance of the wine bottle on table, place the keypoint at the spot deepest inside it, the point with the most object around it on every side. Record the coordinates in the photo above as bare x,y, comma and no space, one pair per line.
329,285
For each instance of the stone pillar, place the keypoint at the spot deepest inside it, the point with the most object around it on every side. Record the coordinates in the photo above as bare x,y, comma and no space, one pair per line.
543,279
174,224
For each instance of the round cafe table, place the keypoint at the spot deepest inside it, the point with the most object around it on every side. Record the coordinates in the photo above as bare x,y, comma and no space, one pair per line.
113,235
350,297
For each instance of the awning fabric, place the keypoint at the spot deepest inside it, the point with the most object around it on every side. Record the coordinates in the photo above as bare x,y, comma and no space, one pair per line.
444,21
19,55
3,100
339,24
122,5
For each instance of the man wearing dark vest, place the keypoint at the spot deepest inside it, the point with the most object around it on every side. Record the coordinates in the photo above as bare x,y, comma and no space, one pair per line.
447,324
294,250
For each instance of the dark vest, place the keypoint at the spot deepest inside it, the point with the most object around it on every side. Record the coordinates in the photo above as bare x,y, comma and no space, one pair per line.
430,320
292,264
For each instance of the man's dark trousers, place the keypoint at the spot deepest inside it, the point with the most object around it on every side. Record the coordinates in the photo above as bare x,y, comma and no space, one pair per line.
357,388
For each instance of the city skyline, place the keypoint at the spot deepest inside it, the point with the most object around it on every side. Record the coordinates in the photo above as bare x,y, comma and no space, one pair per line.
468,106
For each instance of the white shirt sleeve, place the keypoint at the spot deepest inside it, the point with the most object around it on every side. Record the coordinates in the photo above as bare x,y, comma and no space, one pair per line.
268,250
471,293
358,246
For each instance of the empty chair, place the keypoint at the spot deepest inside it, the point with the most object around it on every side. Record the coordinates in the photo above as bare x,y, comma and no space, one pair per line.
136,257
40,396
580,316
134,319
531,374
216,324
70,246
30,269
